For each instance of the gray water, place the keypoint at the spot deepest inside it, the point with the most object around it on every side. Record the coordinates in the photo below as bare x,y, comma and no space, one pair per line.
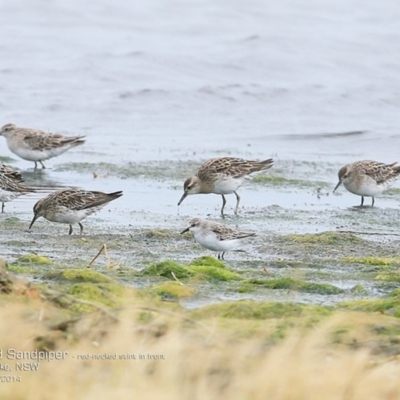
183,73
162,81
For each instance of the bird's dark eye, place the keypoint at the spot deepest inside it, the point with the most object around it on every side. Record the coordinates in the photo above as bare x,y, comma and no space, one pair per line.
189,187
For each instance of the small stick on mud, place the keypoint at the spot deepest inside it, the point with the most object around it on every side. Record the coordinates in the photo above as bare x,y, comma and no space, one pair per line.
109,264
173,275
265,269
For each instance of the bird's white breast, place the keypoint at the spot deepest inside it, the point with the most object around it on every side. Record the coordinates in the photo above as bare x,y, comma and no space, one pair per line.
227,184
367,187
66,216
210,241
27,153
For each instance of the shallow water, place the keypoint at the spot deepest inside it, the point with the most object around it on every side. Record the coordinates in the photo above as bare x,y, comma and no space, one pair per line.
158,87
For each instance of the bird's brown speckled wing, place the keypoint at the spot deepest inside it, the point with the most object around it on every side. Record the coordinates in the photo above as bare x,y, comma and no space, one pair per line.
381,172
230,166
10,172
81,199
12,185
224,232
38,140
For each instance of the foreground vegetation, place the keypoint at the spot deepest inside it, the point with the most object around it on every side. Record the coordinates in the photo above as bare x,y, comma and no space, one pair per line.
138,343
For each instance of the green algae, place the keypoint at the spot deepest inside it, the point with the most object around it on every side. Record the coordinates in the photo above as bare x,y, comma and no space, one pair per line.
93,288
394,293
359,290
208,261
389,277
328,237
86,297
171,289
106,294
371,261
168,269
281,181
291,284
32,259
77,275
212,269
214,273
21,269
204,268
389,305
249,309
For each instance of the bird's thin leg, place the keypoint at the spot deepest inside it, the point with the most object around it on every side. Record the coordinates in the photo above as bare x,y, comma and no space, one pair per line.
70,230
2,207
219,256
222,256
81,226
35,165
42,164
373,201
237,204
362,201
223,205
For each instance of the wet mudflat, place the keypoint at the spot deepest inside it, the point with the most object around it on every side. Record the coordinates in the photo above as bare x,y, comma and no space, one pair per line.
311,247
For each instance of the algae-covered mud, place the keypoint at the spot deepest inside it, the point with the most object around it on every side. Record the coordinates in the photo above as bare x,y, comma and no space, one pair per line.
312,247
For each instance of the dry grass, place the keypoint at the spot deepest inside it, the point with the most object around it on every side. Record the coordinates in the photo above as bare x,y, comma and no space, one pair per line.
202,360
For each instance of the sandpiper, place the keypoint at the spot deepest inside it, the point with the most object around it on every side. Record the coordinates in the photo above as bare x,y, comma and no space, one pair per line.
10,185
10,172
216,236
368,178
70,206
222,176
37,146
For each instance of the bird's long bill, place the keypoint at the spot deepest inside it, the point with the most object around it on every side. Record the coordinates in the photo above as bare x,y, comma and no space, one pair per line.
182,198
339,183
33,221
185,230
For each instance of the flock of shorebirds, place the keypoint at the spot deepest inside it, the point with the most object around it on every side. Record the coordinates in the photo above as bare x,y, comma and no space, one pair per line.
221,176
